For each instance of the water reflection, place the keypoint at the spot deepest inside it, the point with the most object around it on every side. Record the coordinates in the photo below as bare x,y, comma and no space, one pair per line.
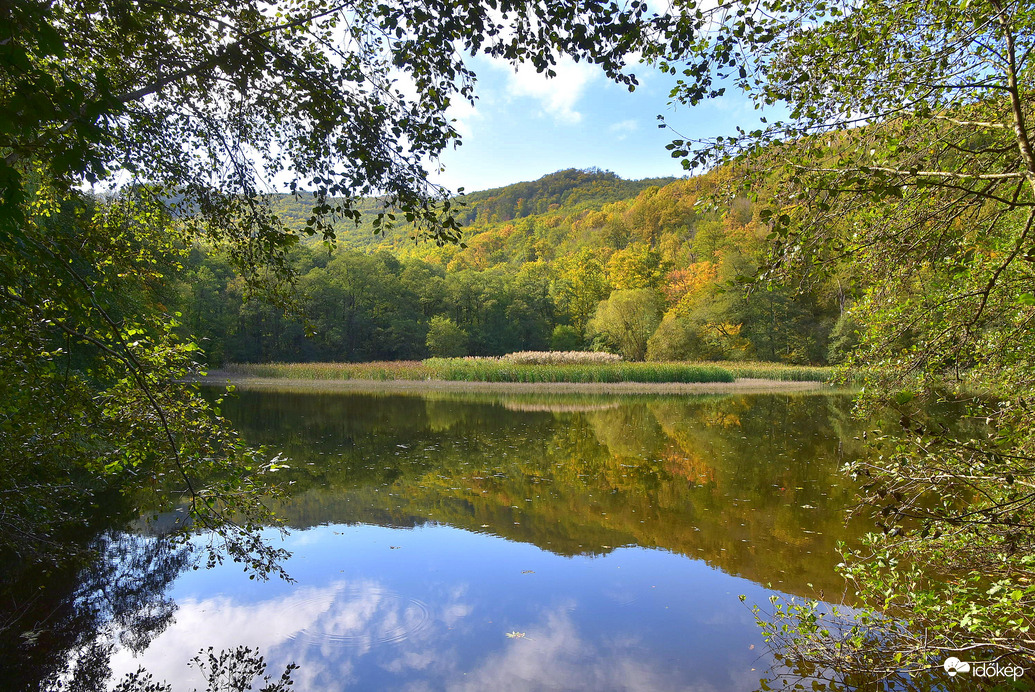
440,608
70,621
750,484
520,542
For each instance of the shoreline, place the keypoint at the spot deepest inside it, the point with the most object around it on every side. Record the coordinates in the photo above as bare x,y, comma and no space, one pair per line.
744,385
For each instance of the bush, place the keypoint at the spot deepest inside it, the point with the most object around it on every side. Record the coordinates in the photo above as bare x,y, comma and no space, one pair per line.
844,339
674,339
445,338
626,320
565,338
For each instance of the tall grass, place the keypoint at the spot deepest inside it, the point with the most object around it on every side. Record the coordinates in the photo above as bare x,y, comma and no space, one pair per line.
561,357
503,371
379,370
777,371
489,370
537,367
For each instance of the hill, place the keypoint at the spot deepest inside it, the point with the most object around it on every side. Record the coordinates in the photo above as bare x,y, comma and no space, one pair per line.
572,189
576,259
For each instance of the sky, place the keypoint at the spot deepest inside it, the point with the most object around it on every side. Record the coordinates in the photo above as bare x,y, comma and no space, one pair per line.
524,125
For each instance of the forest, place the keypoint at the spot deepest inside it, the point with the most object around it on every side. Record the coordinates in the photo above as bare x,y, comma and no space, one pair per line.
881,215
575,260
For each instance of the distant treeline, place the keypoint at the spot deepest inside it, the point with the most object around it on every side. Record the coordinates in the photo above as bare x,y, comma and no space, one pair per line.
578,259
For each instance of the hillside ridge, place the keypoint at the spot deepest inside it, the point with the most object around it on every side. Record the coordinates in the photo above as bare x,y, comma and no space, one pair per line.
589,188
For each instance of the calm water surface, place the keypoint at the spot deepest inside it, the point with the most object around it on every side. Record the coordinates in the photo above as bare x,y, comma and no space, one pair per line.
476,542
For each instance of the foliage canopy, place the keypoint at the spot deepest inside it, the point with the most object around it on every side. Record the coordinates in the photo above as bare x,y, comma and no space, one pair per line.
905,159
177,117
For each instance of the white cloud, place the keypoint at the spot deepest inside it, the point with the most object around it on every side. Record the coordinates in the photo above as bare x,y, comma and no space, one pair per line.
323,629
223,623
553,654
622,129
625,126
557,96
463,113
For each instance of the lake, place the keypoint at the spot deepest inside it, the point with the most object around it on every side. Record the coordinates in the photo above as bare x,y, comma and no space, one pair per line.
514,541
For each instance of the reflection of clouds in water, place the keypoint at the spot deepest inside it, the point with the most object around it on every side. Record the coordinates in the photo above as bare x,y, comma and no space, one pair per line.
454,609
412,660
553,655
316,670
304,539
222,624
323,629
453,613
366,614
360,634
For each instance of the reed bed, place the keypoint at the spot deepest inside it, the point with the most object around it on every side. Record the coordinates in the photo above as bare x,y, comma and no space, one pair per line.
777,371
503,371
378,370
489,370
561,358
539,366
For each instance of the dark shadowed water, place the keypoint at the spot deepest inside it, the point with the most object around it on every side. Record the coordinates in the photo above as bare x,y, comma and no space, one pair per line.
495,542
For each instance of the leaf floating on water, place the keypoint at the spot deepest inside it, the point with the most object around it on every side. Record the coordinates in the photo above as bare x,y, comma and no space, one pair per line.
515,635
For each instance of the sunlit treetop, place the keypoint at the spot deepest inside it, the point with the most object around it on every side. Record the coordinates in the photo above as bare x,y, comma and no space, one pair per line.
868,101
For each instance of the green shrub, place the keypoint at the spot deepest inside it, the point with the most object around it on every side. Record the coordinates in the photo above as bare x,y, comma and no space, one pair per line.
565,338
445,338
626,320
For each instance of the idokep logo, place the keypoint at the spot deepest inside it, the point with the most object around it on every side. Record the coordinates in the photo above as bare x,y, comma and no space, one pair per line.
981,669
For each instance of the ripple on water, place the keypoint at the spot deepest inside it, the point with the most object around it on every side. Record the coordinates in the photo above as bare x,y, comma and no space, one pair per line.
362,615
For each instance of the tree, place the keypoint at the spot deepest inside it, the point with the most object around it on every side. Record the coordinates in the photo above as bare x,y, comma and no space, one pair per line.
679,339
131,130
627,319
579,287
565,338
445,339
906,154
636,266
216,98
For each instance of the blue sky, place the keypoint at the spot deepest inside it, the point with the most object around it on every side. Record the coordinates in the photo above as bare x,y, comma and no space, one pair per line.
524,125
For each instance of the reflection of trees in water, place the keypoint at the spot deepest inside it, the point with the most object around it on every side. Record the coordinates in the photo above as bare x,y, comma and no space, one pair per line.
752,484
128,590
67,636
63,634
230,670
627,431
72,590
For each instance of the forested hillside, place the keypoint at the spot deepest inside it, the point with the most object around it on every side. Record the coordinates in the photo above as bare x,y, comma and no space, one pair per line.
577,259
572,188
